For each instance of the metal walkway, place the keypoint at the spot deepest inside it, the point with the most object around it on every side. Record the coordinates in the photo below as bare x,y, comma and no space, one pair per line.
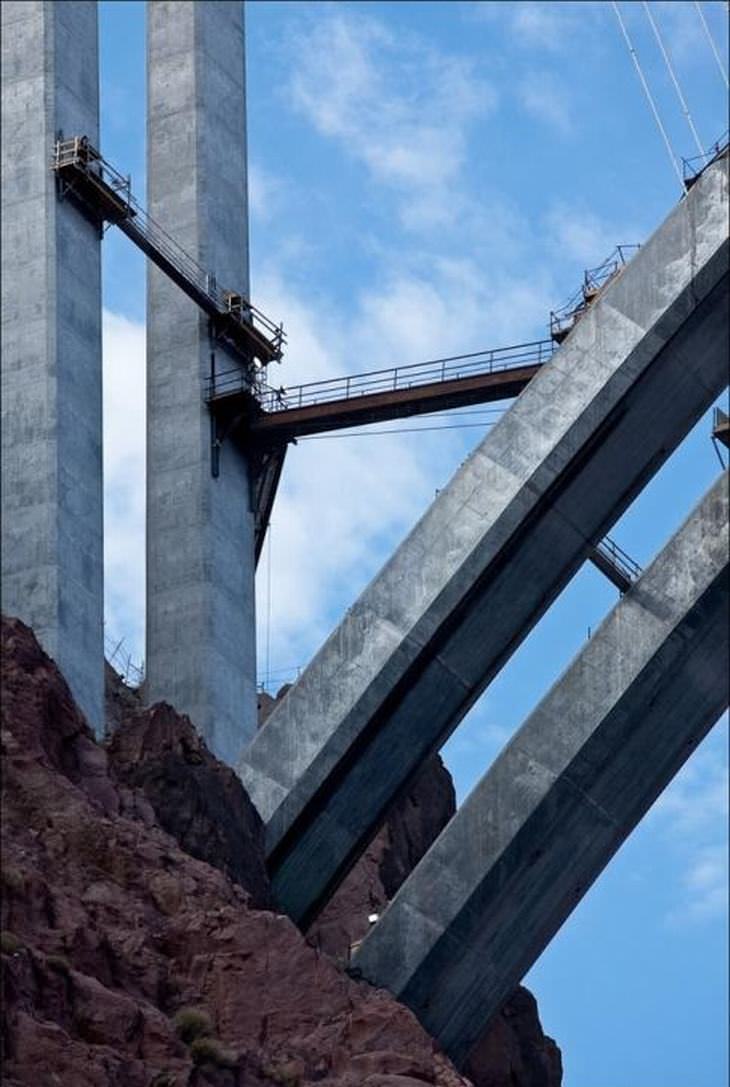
282,415
105,196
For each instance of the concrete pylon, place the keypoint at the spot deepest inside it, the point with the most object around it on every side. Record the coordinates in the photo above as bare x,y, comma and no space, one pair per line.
52,554
200,552
564,794
493,551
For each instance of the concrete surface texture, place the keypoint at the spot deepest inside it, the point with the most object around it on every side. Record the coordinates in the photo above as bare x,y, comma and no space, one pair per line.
52,555
493,551
564,793
200,557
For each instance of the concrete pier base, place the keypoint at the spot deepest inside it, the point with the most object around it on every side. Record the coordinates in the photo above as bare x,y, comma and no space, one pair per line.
493,551
52,555
200,549
564,794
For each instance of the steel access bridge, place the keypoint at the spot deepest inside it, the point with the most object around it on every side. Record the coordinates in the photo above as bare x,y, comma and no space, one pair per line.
245,408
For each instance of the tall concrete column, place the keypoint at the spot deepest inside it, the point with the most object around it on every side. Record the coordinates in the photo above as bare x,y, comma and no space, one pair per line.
200,550
52,557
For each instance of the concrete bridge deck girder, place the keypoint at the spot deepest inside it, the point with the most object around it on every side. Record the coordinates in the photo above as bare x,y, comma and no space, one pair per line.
493,551
564,794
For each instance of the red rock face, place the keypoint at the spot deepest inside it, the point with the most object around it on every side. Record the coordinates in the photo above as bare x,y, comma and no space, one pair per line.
130,881
110,929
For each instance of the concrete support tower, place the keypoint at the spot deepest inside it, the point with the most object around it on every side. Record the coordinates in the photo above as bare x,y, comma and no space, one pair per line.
52,556
200,554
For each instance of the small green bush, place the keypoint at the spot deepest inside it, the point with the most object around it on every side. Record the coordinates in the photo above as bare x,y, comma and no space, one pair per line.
192,1023
59,963
164,1079
9,943
286,1073
12,878
206,1050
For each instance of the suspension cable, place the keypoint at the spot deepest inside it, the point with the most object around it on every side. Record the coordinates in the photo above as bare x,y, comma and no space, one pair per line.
675,81
647,92
711,40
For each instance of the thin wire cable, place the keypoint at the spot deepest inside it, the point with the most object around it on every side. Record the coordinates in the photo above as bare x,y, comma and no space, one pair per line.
711,40
675,81
268,607
647,92
398,430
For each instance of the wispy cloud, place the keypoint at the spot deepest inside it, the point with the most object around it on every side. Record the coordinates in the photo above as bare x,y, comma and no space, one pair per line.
692,816
578,234
124,479
705,887
397,105
543,96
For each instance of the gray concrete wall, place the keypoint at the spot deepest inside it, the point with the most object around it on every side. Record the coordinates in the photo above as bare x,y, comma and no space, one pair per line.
493,551
200,566
564,794
52,558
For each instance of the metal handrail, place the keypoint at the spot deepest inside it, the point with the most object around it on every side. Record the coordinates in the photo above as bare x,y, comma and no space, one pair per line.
388,380
620,558
692,167
594,280
79,151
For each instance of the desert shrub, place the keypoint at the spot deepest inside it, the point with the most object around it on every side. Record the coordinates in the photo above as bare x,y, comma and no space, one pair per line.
9,943
59,963
205,1050
164,1079
192,1023
12,878
286,1073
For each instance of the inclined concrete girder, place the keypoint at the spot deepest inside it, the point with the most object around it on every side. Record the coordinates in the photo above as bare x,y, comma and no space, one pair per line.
492,552
52,503
564,793
201,645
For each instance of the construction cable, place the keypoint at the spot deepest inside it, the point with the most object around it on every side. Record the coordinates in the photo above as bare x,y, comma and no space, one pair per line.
647,92
268,607
711,40
675,81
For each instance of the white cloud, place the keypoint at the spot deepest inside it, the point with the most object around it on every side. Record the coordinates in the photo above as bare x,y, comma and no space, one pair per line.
265,192
540,24
543,96
396,104
124,480
692,816
706,887
582,236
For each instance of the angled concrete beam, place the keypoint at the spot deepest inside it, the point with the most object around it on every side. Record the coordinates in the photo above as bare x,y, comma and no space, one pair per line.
201,650
493,551
564,794
52,552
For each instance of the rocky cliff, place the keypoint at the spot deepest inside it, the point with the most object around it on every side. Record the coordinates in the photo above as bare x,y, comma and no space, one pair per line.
139,948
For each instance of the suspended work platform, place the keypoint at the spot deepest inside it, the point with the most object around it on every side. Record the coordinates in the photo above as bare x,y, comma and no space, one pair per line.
105,196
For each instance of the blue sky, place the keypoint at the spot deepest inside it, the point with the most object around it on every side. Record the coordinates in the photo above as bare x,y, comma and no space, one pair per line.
428,179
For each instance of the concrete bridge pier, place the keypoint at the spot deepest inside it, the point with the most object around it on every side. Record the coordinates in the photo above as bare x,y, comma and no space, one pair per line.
200,535
564,793
52,554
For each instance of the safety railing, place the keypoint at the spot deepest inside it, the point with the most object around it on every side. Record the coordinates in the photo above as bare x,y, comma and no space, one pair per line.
77,154
693,167
619,558
563,319
121,661
395,378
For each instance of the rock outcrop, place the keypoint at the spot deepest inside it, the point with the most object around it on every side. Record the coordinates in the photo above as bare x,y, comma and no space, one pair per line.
134,951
